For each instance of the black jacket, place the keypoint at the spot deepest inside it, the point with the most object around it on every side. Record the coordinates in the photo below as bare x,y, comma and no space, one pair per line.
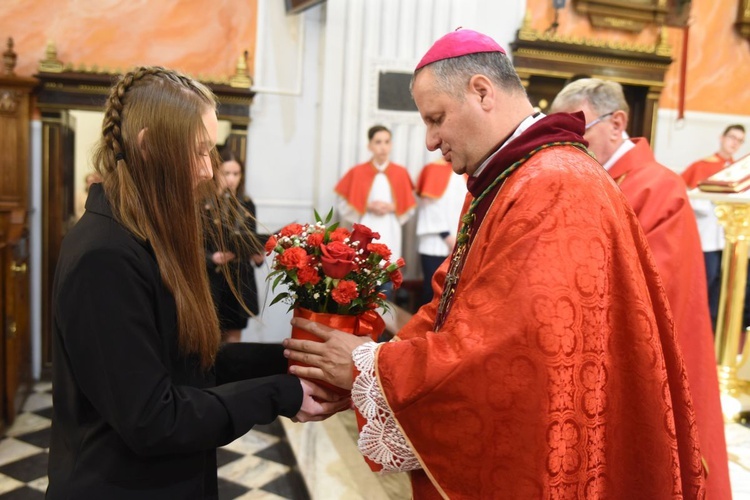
133,417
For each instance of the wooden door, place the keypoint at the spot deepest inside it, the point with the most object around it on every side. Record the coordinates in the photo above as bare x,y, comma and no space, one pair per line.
17,355
58,209
15,337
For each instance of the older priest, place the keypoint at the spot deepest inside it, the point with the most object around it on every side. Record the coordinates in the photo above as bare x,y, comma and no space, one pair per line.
546,366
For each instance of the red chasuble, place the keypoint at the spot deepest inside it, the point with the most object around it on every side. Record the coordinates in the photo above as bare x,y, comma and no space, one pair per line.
356,184
434,179
556,373
660,202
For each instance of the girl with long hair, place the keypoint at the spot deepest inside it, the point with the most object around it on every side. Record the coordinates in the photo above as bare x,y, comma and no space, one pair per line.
143,391
237,224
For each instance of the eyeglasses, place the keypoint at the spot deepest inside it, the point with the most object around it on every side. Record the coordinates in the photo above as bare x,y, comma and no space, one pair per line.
601,117
736,138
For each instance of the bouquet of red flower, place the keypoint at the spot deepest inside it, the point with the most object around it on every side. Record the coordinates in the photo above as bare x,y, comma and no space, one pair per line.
327,269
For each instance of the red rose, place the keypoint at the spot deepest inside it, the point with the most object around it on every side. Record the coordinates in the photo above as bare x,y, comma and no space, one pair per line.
338,234
345,292
270,245
380,249
397,279
307,275
294,257
338,259
315,240
291,230
363,235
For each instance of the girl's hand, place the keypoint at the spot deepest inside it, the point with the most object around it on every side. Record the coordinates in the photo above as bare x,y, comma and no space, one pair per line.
220,258
319,403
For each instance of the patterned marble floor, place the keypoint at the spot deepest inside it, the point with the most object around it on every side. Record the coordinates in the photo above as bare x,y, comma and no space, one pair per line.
259,466
282,460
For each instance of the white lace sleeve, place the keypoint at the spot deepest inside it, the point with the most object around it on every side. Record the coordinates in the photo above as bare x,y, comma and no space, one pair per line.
380,439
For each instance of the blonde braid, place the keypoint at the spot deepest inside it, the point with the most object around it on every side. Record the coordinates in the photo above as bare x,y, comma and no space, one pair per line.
112,125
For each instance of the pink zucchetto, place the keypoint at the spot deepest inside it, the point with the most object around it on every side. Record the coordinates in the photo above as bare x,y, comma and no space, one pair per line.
459,43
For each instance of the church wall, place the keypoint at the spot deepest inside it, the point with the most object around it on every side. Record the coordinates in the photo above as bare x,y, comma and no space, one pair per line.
203,37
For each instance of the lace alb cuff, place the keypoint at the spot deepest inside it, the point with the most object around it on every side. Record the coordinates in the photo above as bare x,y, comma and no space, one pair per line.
380,439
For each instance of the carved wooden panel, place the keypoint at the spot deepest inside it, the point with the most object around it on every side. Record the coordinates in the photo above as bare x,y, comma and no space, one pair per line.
547,61
743,18
633,15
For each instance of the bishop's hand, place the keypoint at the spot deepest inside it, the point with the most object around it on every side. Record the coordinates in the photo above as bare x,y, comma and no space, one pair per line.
329,360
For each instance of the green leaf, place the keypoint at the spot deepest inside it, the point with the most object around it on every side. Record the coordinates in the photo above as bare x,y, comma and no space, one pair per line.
329,216
279,298
270,276
277,280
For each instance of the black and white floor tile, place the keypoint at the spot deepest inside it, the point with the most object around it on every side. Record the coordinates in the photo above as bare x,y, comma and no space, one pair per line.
282,460
260,465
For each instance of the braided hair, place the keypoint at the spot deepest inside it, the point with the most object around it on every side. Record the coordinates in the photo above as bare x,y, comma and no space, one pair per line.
153,143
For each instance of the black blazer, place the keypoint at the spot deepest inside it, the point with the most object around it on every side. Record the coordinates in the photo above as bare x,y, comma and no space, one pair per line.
133,417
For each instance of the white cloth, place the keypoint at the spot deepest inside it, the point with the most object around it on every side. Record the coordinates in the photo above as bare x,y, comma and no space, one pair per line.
440,215
710,229
388,225
380,439
626,146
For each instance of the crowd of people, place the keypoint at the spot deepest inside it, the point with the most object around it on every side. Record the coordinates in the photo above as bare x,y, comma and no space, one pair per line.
564,350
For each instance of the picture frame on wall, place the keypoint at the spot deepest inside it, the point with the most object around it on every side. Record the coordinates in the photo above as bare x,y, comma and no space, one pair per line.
297,6
390,98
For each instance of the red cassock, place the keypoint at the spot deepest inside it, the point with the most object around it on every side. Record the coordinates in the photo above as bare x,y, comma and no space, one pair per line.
433,180
556,373
356,184
660,202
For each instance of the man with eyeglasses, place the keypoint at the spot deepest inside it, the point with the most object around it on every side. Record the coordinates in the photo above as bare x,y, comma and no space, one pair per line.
659,199
711,231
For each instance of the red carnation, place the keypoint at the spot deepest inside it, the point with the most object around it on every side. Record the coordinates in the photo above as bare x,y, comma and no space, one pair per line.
270,245
380,249
337,259
294,257
392,266
291,230
345,292
397,279
307,275
315,240
339,234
